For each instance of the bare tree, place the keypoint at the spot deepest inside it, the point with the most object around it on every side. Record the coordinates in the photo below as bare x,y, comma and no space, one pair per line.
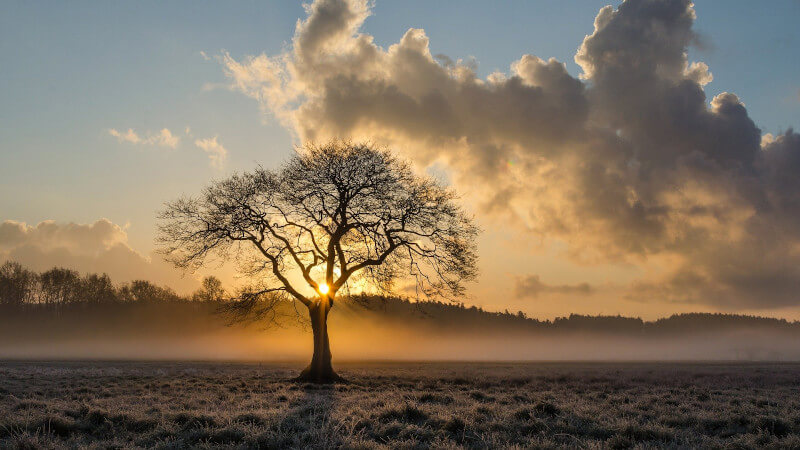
17,284
335,218
211,290
60,286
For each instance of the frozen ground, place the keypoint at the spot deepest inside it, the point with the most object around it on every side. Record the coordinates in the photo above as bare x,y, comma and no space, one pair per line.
403,405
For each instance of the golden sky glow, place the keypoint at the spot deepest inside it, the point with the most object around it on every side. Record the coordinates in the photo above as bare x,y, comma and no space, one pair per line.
611,172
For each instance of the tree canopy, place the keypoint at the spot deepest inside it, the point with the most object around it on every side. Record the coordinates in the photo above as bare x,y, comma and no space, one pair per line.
336,216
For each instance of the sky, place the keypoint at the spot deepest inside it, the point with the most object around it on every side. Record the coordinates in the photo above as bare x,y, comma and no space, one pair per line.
652,173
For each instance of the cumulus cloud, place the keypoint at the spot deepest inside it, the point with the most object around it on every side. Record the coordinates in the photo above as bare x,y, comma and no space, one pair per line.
163,138
99,247
217,154
629,162
532,286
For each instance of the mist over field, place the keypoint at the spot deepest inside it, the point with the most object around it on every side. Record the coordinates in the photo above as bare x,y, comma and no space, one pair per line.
383,329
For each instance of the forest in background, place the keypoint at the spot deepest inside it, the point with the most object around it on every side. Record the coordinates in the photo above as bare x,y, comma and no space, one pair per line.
60,313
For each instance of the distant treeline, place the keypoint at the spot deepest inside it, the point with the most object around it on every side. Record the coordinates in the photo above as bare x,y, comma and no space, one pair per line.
59,286
446,314
65,291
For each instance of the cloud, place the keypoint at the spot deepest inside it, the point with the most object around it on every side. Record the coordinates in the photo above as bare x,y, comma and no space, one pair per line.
217,154
99,247
628,163
125,136
163,138
532,286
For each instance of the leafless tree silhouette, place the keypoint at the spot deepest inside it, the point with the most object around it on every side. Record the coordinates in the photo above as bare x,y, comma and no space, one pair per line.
335,217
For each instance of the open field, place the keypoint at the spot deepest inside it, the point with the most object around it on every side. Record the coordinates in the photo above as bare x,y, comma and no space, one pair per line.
615,405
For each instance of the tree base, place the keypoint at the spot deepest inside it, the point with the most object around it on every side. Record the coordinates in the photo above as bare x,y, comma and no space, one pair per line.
325,377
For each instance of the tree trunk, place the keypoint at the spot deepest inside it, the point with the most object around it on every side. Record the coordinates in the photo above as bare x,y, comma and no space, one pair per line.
320,370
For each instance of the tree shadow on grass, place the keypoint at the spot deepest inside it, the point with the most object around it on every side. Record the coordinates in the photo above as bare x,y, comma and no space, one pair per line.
308,420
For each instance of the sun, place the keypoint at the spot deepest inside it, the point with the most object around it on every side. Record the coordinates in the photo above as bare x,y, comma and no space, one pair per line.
323,288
